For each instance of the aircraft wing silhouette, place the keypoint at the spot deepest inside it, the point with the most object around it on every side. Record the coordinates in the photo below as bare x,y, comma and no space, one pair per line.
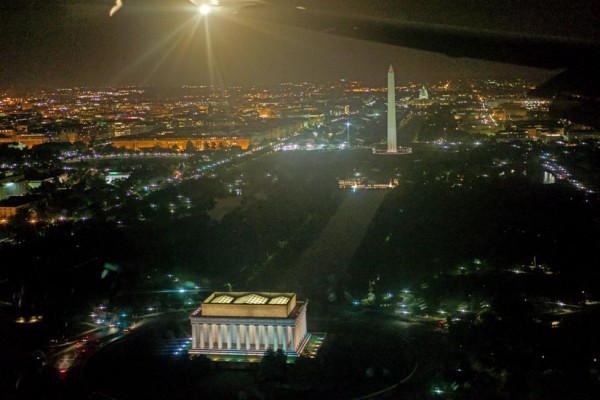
515,48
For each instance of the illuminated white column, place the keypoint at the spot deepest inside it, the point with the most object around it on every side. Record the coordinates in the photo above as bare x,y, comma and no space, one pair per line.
211,336
194,341
265,337
301,327
277,342
247,336
202,329
259,336
270,337
208,335
219,336
233,334
243,336
291,337
303,324
238,340
253,336
199,336
227,334
284,337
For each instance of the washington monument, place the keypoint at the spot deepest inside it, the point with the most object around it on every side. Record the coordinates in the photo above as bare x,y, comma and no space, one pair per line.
392,147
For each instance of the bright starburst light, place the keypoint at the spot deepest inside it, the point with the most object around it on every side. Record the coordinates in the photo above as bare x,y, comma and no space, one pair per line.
184,40
205,9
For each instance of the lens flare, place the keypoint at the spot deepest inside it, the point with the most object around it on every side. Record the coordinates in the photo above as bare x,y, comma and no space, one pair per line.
205,9
116,7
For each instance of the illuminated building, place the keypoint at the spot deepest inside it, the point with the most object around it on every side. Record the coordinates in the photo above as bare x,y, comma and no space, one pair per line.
120,129
200,143
363,183
14,187
27,139
510,112
249,323
70,135
114,176
11,206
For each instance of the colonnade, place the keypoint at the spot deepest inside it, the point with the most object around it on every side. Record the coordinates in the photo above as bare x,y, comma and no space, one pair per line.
223,336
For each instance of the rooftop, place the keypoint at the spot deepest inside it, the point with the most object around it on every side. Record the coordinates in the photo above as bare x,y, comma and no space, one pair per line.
248,304
248,298
17,201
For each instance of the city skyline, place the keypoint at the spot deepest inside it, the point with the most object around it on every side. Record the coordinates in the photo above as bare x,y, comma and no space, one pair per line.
255,191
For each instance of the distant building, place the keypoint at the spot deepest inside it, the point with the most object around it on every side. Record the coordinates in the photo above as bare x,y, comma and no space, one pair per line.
180,143
509,135
70,134
423,94
364,183
27,139
549,178
510,112
13,186
115,176
249,323
10,207
582,134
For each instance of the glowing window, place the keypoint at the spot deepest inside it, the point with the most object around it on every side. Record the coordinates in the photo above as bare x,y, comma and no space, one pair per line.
223,299
251,299
279,300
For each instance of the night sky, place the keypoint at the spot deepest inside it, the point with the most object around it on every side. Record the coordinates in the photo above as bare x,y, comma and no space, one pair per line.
165,42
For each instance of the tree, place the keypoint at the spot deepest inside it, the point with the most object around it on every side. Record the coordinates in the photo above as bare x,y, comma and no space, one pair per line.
273,365
190,148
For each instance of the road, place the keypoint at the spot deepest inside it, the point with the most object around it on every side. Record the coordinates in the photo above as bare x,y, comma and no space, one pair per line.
77,349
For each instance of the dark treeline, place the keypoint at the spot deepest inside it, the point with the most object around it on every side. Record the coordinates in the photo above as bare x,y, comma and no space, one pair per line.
424,229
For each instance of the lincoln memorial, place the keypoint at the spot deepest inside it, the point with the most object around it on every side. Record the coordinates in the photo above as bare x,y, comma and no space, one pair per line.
248,323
